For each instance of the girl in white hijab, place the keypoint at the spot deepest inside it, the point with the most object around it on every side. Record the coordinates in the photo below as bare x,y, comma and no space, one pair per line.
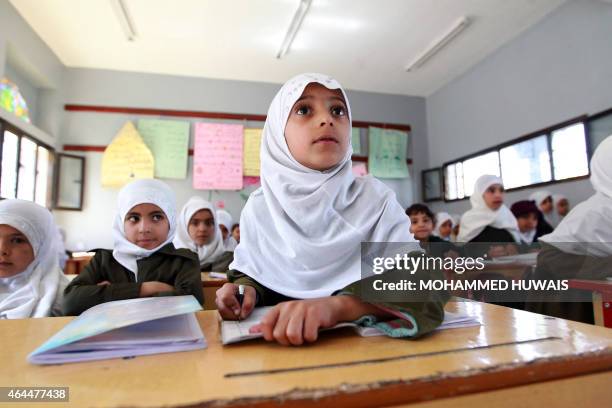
489,220
544,201
28,239
199,231
561,206
590,222
444,220
580,247
301,230
143,262
225,223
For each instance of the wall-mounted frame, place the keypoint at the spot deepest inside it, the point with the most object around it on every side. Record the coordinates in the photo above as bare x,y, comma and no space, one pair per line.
70,182
432,184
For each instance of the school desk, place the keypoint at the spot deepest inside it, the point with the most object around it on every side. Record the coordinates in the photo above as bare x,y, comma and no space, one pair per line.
601,292
210,287
515,356
74,266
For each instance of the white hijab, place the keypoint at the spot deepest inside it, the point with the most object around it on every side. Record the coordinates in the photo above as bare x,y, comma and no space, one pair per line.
552,218
590,222
206,253
33,292
227,221
441,218
301,230
475,220
140,192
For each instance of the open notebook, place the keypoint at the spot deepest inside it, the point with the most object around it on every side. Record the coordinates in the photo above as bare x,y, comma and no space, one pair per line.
126,328
233,331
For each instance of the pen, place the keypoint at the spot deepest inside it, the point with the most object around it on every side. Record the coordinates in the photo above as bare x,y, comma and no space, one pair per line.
240,297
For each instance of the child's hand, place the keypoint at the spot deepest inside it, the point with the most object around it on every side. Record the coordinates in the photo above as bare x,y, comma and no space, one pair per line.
292,323
228,305
103,283
151,288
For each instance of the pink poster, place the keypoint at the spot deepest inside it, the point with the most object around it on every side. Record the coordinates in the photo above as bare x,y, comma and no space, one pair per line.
217,156
359,169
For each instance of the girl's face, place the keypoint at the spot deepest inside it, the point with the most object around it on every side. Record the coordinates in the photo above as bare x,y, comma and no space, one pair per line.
563,207
317,131
494,196
16,253
547,205
527,222
236,233
202,227
146,225
445,229
421,226
224,231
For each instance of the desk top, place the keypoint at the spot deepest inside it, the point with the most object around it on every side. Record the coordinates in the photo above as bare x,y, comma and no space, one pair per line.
207,281
512,347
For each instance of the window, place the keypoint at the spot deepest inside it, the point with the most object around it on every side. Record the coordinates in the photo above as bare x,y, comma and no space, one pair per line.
554,154
8,183
526,163
569,152
600,127
25,168
475,167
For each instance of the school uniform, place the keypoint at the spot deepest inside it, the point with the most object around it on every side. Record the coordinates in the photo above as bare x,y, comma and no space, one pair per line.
483,227
212,256
127,266
580,247
176,267
301,231
36,291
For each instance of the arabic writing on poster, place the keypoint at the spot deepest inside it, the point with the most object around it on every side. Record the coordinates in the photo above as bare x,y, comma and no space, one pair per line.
168,140
387,153
217,156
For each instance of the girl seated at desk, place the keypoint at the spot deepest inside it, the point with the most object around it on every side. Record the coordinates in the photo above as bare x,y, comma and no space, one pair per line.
489,227
144,262
199,231
31,281
301,232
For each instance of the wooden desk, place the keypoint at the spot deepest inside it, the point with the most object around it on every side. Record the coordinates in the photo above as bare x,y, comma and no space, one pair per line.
74,266
602,298
210,286
515,354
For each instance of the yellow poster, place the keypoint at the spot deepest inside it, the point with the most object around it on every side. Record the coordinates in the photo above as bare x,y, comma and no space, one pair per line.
252,143
127,158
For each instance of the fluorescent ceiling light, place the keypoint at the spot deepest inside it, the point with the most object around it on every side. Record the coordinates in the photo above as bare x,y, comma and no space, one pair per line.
125,20
298,17
437,45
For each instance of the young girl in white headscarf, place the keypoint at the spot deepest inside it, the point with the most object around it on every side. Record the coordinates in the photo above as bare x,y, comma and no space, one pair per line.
144,262
301,231
225,223
489,221
548,219
31,281
580,247
199,231
561,206
444,226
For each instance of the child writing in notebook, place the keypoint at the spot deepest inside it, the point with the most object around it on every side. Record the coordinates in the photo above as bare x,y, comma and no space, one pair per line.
198,231
31,281
301,231
144,262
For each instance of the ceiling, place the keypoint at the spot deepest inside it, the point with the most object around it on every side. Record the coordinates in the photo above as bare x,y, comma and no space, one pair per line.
365,44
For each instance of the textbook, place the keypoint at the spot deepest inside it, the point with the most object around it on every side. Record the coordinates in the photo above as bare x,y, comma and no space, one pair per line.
233,331
126,328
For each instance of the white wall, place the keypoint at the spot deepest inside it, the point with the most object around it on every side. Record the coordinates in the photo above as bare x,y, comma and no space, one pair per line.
91,227
558,69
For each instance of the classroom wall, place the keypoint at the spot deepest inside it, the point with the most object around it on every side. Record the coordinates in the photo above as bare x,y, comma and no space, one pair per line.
91,227
24,53
556,70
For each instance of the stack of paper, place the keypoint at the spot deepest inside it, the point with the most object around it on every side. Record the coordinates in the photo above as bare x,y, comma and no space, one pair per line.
235,331
126,328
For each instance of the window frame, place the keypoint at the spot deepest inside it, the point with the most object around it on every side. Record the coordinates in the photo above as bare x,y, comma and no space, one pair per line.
5,126
587,129
532,135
